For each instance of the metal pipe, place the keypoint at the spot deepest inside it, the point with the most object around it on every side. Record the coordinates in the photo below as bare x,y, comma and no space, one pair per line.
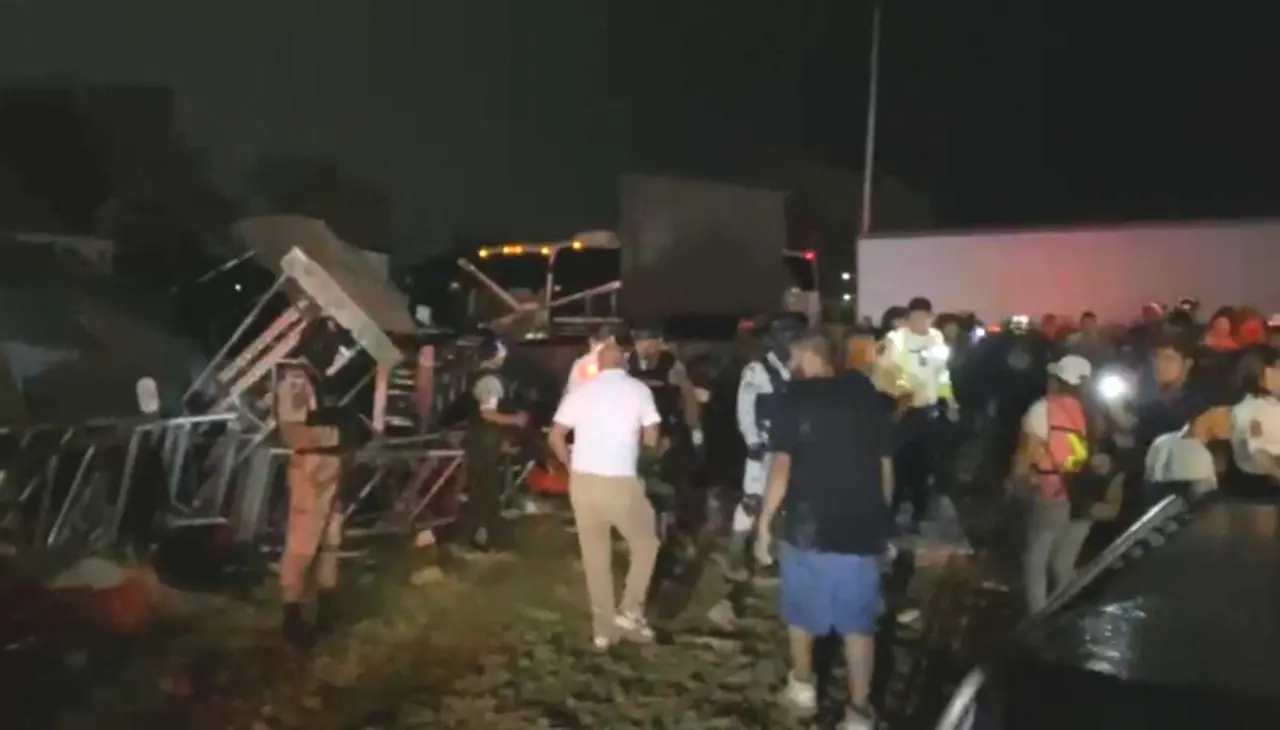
225,267
490,284
873,97
235,336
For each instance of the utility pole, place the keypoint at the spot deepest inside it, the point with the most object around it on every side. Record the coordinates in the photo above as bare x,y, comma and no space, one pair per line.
873,97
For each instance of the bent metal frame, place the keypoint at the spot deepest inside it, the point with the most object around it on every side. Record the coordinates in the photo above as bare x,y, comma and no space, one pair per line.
224,465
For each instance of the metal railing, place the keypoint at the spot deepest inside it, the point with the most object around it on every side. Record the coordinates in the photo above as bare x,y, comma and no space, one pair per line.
63,483
68,491
961,708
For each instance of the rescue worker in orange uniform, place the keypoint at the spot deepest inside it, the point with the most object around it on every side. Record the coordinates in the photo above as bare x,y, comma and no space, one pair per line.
309,566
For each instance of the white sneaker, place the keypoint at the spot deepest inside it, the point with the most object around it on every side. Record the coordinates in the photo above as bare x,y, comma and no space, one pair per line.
800,697
634,627
857,720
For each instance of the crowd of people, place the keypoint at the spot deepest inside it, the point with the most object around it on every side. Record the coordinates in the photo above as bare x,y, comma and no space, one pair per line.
844,442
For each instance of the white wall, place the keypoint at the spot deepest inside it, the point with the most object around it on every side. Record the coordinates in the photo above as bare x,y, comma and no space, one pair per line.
1112,271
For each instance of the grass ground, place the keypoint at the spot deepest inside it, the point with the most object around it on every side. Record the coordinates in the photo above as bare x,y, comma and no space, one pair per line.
487,644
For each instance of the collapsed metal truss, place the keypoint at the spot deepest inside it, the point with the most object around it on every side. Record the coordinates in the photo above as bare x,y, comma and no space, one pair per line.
71,490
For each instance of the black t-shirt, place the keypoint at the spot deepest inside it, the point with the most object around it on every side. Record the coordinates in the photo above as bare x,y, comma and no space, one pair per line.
1159,413
836,431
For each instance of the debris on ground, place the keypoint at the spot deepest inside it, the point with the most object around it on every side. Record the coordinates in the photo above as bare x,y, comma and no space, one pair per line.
484,644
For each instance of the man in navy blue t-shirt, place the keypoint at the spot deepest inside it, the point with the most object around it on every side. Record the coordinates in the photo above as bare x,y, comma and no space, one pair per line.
832,477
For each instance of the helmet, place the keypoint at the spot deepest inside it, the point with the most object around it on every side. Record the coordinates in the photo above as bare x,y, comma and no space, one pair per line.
646,331
783,330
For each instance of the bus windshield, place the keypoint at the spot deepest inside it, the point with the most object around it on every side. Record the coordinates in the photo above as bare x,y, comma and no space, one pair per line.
580,270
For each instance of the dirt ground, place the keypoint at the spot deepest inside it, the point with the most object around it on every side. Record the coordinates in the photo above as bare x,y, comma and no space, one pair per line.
489,643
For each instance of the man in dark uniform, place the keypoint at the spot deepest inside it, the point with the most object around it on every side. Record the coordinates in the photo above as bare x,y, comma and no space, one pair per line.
494,419
677,401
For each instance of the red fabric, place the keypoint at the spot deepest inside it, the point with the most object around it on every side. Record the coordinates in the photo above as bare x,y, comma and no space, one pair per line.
548,482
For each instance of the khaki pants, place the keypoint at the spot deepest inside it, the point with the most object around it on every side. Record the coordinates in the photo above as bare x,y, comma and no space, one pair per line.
600,505
314,532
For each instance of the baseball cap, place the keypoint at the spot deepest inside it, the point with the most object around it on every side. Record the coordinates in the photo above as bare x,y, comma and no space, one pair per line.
1071,369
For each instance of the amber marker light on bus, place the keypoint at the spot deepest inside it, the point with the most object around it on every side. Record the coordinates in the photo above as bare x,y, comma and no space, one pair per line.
577,245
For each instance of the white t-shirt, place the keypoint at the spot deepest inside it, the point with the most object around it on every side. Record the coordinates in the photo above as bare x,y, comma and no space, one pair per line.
1175,458
1036,420
607,415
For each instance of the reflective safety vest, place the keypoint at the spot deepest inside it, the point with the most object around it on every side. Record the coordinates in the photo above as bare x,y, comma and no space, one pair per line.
922,372
1068,447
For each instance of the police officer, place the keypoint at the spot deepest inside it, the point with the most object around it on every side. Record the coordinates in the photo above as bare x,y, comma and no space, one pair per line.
673,393
680,431
494,419
314,531
763,383
917,354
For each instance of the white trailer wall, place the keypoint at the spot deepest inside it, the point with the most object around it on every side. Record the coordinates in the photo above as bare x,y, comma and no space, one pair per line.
1111,271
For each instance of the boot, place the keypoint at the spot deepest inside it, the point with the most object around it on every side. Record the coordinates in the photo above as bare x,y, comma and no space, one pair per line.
735,560
326,611
294,629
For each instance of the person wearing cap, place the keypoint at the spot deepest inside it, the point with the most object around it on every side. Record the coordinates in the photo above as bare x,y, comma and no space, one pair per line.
760,389
917,355
585,368
1255,423
1053,450
313,532
494,416
680,432
654,364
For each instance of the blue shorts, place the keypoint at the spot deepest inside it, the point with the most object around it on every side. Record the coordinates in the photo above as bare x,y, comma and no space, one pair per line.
826,592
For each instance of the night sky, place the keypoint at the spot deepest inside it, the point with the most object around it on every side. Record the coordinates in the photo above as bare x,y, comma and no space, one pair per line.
513,118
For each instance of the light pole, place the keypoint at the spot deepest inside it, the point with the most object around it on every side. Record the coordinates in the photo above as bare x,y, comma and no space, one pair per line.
873,94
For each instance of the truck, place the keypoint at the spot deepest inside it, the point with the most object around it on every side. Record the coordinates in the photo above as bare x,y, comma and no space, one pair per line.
1111,270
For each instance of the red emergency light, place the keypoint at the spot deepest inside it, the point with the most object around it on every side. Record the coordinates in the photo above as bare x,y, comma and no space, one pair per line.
810,255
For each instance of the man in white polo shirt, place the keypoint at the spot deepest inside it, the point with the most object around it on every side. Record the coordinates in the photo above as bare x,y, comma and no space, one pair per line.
587,367
611,417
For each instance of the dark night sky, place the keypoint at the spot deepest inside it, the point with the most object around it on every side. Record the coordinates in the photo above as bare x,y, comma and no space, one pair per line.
515,116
